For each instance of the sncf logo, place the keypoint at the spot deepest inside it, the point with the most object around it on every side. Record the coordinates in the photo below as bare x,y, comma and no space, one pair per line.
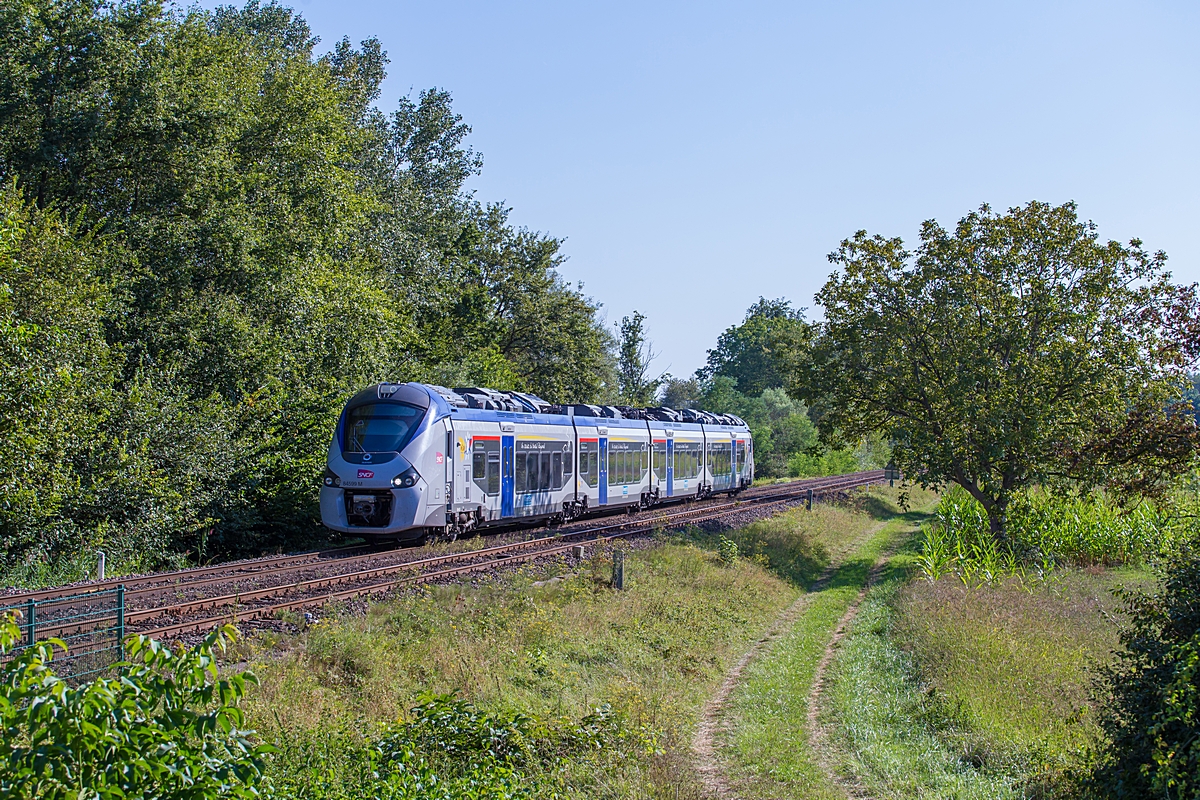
366,473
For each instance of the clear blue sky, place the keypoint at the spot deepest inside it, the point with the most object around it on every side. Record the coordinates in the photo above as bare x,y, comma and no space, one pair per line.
696,156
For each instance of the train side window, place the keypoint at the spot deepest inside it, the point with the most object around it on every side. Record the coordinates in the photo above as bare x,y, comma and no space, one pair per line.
566,459
524,465
556,470
493,477
479,465
544,472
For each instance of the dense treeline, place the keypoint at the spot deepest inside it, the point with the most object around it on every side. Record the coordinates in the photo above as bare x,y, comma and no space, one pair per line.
751,372
209,236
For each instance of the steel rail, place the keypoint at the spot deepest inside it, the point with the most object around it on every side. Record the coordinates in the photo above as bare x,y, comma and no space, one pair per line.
644,526
195,577
794,489
199,604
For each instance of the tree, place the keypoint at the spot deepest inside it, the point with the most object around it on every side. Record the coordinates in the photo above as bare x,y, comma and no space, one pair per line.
681,392
764,350
1016,349
635,387
216,237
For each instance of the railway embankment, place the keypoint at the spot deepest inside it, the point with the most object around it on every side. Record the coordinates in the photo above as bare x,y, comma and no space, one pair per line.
550,651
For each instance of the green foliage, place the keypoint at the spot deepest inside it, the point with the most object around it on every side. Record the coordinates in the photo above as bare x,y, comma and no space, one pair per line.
167,727
830,462
635,387
1152,694
727,551
1043,532
210,237
764,350
1017,349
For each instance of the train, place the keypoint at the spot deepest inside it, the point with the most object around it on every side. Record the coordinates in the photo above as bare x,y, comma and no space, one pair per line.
413,461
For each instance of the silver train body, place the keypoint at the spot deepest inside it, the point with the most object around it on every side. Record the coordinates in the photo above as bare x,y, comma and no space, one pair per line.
410,460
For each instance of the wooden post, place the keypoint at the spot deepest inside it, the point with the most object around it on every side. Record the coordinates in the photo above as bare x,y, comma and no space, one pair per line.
618,578
808,501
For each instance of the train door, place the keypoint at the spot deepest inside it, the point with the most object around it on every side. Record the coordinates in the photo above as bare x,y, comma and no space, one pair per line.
448,464
670,466
603,470
506,475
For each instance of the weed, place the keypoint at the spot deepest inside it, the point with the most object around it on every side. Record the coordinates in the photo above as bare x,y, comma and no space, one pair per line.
727,551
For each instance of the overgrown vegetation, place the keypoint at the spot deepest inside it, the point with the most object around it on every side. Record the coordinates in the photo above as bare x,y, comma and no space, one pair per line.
168,726
565,656
1151,695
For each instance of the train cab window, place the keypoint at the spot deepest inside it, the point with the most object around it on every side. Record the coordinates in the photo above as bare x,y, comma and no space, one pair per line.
379,427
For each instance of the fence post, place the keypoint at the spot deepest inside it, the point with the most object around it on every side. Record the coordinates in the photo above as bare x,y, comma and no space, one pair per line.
99,565
121,621
808,501
31,615
618,578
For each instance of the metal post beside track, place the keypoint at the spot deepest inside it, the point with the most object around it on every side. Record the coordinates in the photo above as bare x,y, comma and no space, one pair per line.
31,616
121,622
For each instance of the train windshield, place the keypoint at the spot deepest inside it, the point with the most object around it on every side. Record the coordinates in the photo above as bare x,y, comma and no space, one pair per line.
380,427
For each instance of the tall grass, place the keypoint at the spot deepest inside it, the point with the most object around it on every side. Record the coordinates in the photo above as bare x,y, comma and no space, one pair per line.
1043,532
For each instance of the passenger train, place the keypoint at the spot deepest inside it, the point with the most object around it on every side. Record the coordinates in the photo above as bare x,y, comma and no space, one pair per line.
411,460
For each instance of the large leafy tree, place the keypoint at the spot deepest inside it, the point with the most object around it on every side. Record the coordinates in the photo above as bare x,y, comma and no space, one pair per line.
249,240
764,350
1017,348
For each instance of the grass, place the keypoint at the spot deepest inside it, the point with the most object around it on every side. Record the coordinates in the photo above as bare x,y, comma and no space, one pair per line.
653,653
944,691
768,744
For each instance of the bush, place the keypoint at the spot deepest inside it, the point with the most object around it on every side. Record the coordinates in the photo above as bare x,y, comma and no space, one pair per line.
831,462
1151,696
448,749
167,727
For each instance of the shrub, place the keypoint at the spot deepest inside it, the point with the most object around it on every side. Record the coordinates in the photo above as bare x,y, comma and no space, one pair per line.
167,727
1151,695
448,749
727,551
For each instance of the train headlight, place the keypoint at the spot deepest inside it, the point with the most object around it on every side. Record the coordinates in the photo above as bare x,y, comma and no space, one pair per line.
331,478
406,479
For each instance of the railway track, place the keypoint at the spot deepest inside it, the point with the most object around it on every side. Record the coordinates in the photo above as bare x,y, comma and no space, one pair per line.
177,603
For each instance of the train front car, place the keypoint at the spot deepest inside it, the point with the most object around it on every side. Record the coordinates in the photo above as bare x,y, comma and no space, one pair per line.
384,475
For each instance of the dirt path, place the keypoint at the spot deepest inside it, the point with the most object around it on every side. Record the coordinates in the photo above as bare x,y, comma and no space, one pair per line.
818,735
705,745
